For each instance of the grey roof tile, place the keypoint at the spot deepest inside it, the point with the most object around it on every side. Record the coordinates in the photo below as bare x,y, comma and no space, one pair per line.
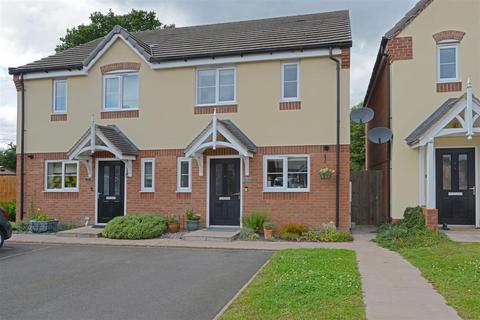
318,30
409,16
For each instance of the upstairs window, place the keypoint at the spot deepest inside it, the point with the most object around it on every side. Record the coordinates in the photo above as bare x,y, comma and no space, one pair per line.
447,62
121,91
286,173
184,175
61,176
216,86
148,175
290,81
60,96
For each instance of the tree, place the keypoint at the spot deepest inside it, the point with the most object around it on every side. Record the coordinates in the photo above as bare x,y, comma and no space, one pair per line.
101,24
8,157
357,144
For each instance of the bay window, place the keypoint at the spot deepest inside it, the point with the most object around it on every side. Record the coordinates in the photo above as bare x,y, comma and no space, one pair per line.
286,173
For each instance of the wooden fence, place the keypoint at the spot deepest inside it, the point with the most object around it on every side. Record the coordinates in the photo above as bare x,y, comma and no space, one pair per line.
8,188
367,197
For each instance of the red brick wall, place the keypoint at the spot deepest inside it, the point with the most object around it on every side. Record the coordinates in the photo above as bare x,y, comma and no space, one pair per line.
345,55
448,35
400,48
315,207
449,87
120,66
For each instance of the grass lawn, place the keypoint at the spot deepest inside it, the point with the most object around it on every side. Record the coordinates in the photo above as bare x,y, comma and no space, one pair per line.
303,284
454,269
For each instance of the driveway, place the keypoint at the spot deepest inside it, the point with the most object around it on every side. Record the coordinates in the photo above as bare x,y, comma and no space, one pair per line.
95,282
467,235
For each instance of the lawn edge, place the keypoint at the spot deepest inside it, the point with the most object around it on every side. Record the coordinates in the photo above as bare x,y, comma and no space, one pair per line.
242,289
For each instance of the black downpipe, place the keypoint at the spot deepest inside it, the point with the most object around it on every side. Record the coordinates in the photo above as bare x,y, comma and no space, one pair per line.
337,149
389,147
22,152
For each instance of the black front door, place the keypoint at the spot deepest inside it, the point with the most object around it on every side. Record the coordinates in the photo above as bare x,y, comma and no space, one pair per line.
456,186
111,186
225,192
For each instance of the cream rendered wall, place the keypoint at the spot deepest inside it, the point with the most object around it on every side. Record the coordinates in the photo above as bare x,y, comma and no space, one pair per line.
414,95
167,99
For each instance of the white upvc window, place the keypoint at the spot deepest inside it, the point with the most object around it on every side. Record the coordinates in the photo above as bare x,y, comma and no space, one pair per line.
184,175
290,81
148,175
120,91
216,86
59,96
286,173
61,176
447,62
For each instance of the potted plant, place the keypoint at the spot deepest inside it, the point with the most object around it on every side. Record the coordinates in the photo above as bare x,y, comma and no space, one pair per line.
193,220
325,173
267,230
41,222
173,223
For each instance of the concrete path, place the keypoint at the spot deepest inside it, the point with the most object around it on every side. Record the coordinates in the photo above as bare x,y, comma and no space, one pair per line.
471,235
393,288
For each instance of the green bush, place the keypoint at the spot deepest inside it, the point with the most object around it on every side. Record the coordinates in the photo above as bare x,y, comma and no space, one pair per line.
255,221
41,217
409,232
327,232
296,228
21,226
248,234
135,227
10,207
289,236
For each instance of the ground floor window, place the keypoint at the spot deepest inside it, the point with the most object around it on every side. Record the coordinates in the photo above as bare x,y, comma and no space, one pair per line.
184,175
61,176
148,175
286,173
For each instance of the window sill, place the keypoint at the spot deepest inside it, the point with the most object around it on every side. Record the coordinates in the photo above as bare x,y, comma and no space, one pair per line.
184,191
286,191
58,117
147,191
449,86
220,108
60,191
116,114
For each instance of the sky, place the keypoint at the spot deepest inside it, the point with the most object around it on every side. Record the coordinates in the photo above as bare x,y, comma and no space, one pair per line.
30,30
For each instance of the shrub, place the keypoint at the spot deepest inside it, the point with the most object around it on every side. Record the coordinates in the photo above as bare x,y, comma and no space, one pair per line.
255,221
10,207
135,227
327,232
410,232
296,228
248,234
268,225
21,226
290,236
41,217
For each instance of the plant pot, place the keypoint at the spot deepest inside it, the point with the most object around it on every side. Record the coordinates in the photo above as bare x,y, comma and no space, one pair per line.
42,226
267,234
325,176
193,225
173,227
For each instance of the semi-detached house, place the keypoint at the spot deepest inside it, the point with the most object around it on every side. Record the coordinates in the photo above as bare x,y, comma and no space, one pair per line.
223,118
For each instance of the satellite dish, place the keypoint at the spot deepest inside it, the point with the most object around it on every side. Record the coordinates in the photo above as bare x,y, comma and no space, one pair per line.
380,135
362,115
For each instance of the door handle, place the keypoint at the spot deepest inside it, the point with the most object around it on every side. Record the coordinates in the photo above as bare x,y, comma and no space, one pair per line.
474,190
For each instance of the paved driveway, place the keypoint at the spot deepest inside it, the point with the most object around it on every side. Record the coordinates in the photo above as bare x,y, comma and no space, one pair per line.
94,282
468,235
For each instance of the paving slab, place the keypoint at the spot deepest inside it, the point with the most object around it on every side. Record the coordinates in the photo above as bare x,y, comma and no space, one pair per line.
394,289
213,234
82,232
468,235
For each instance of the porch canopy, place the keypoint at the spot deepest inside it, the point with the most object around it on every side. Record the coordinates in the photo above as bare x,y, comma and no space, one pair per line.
103,138
456,117
221,134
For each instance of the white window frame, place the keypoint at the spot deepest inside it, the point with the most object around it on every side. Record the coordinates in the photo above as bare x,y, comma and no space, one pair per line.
285,188
63,189
297,98
55,96
120,76
142,183
217,87
179,177
448,45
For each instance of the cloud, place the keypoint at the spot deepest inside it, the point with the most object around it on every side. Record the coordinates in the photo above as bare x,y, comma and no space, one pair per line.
30,30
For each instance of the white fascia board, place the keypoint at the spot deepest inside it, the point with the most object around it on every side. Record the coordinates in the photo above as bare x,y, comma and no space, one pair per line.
285,55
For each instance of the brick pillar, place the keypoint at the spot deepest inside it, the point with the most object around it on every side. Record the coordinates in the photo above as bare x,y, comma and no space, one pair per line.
431,218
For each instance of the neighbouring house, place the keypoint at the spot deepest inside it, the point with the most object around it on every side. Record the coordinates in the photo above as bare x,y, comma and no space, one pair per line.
223,118
425,87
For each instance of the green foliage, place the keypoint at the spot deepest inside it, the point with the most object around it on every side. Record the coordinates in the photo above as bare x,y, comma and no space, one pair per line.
40,216
303,284
21,226
326,232
255,221
135,227
268,225
289,236
357,144
173,218
248,234
62,226
10,207
101,24
409,232
8,157
294,228
191,215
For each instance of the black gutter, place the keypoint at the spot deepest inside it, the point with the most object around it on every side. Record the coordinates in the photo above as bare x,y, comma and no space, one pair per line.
22,152
337,149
